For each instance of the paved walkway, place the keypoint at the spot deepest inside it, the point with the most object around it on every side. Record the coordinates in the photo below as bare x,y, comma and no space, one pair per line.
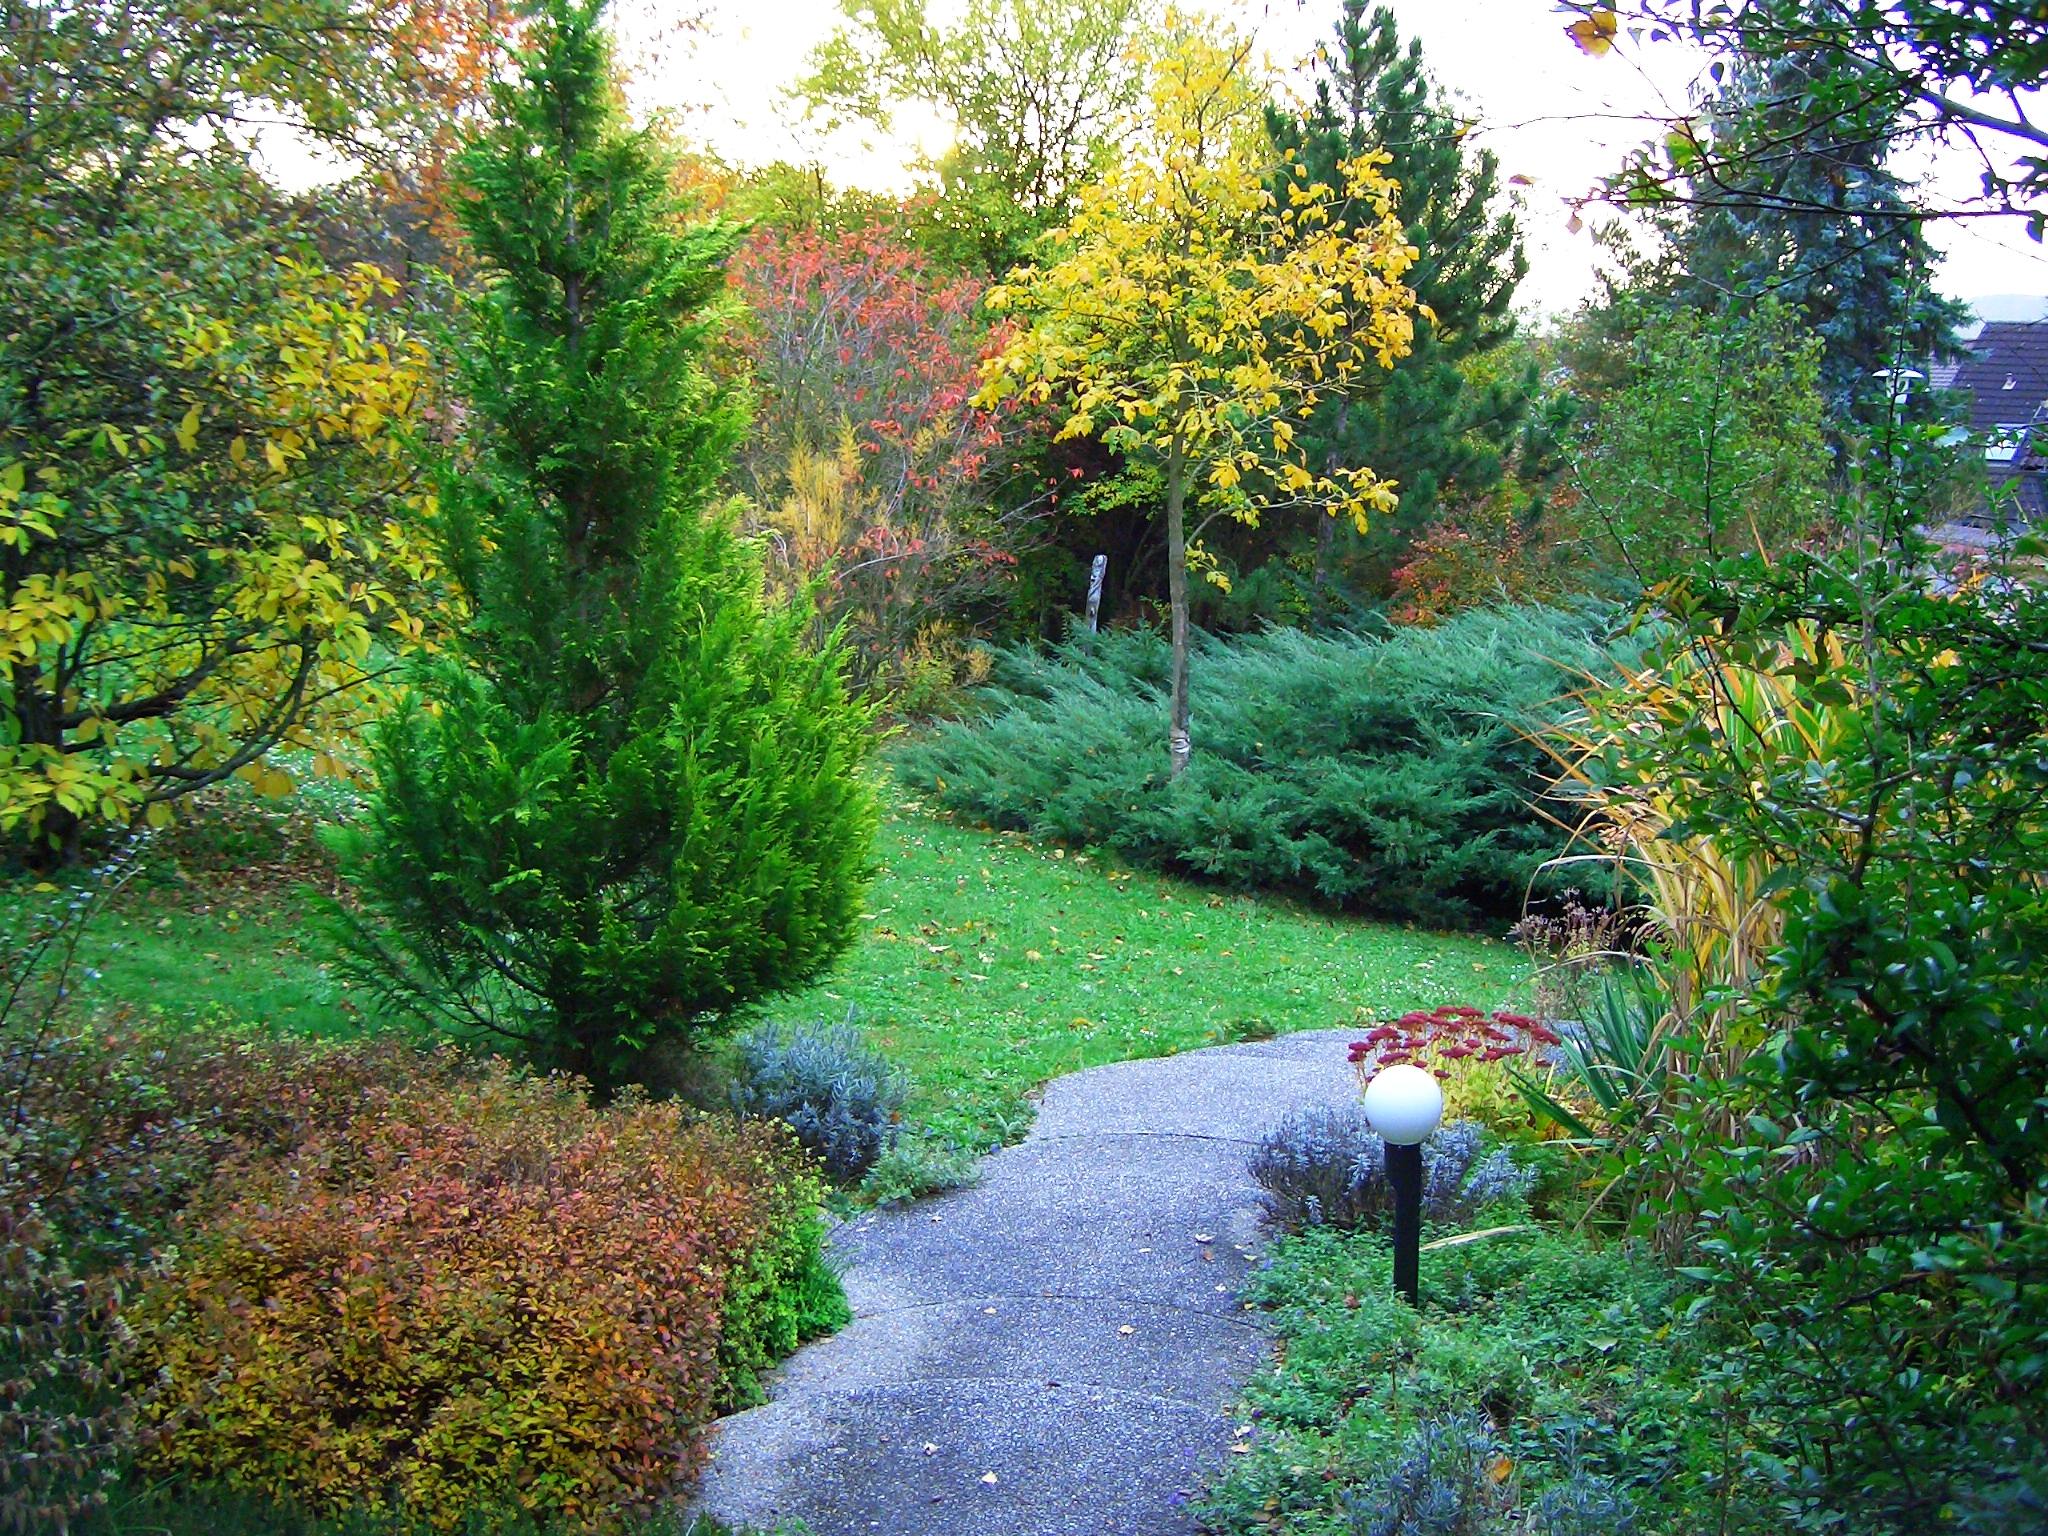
1055,1351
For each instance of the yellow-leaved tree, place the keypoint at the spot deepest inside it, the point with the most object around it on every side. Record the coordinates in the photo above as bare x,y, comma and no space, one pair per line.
210,530
204,564
1192,315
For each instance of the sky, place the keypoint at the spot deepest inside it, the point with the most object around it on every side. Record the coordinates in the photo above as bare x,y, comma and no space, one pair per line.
1550,114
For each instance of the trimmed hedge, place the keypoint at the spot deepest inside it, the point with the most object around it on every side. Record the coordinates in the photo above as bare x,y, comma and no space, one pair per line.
1390,775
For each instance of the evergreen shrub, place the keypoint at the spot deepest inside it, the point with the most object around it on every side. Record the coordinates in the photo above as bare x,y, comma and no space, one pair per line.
1389,774
629,801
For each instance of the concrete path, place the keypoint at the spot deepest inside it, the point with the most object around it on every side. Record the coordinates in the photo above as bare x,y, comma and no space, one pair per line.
1055,1351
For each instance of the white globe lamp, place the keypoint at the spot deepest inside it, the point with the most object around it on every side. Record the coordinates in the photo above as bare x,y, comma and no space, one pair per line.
1404,1104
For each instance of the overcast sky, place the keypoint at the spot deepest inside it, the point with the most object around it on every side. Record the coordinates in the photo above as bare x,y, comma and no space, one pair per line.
1551,114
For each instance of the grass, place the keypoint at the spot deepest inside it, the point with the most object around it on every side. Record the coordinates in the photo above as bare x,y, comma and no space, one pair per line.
987,967
991,965
223,926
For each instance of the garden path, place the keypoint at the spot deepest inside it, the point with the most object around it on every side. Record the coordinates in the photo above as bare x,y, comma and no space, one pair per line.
1055,1351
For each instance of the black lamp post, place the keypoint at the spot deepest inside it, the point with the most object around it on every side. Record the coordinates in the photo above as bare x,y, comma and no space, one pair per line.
1404,1105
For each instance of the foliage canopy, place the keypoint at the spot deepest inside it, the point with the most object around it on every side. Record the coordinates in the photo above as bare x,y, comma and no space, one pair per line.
1195,318
208,519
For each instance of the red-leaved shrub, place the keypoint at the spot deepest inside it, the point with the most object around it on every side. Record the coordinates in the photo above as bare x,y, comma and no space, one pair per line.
868,462
1477,1058
467,1296
104,1136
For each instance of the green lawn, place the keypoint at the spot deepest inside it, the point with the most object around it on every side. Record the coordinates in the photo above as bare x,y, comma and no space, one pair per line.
991,965
222,925
987,967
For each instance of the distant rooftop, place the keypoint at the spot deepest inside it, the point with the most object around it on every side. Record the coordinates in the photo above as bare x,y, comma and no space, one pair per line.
2006,374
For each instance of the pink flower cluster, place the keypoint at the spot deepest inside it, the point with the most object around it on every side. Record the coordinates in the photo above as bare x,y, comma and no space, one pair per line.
1447,1034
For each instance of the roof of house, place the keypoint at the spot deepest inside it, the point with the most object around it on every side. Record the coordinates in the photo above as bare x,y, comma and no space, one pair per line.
2018,486
2006,374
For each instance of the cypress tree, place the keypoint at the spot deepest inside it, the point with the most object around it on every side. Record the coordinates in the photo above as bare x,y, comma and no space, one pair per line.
1424,425
628,801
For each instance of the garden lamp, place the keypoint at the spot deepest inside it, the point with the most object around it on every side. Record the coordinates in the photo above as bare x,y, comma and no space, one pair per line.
1404,1105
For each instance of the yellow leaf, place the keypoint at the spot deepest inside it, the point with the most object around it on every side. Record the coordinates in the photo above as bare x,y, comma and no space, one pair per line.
1594,32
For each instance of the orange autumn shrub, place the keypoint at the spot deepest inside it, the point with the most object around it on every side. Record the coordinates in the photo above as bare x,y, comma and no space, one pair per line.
484,1296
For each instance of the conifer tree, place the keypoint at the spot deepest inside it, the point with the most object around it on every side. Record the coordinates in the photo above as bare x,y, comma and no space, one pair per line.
1424,425
1810,214
629,804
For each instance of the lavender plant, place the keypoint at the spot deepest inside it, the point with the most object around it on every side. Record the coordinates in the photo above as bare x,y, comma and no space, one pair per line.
1327,1167
840,1095
1447,1483
1459,1176
1453,1480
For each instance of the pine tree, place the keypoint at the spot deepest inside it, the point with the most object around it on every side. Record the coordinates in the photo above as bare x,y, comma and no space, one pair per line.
630,803
1424,425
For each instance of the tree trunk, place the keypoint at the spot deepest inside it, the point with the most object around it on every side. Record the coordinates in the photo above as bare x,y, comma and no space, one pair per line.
1326,529
36,724
1179,744
1326,539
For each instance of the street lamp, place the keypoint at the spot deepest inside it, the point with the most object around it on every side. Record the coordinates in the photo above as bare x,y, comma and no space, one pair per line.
1404,1105
1899,382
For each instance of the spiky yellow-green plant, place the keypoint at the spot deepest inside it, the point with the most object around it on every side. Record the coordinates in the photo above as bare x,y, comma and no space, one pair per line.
1631,756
